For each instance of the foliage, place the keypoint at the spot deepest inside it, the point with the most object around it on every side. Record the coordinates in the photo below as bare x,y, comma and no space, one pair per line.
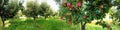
116,13
8,10
84,11
34,9
90,10
116,16
45,10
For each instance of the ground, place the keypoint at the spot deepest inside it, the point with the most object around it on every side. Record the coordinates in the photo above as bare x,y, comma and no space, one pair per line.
49,24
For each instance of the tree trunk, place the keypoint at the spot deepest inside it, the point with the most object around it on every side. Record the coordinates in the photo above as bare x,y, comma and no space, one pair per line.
3,23
34,18
45,17
83,26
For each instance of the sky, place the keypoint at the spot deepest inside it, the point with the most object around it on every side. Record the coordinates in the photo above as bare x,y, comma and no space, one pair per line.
54,6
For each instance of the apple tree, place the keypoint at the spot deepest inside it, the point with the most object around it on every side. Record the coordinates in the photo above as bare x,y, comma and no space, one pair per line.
84,11
8,9
34,9
45,10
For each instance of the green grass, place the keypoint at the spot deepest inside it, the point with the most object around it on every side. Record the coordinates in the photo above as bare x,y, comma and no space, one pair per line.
94,27
0,25
50,24
41,24
115,27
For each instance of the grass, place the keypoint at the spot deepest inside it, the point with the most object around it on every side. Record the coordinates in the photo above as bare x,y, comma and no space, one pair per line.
50,24
0,25
41,24
94,27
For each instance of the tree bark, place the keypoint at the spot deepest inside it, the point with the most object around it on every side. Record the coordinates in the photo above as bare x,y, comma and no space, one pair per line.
83,26
3,23
34,18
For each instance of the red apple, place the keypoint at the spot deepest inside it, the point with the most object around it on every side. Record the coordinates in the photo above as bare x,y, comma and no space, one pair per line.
108,26
84,17
69,6
78,4
101,6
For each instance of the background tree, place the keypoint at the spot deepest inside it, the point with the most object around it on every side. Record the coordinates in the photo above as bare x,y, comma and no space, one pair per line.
45,10
8,10
84,11
34,9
